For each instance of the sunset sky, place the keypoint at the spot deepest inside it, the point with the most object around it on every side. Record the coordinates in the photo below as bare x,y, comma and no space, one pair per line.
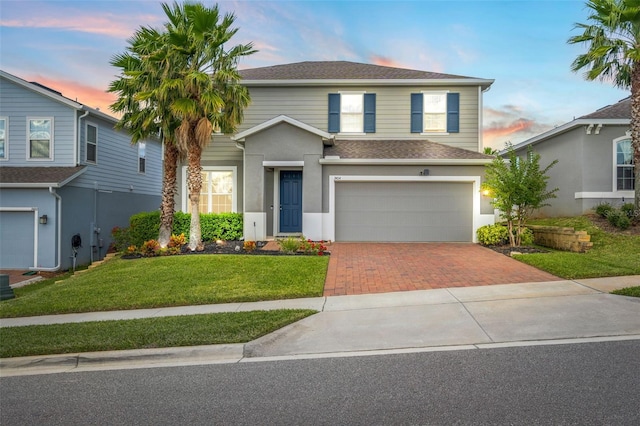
67,45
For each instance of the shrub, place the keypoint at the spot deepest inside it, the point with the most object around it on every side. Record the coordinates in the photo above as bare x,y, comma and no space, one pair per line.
629,209
223,226
121,238
526,237
150,248
619,219
491,235
603,209
312,247
289,245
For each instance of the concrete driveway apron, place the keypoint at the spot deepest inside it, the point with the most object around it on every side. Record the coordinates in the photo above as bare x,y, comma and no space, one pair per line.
363,268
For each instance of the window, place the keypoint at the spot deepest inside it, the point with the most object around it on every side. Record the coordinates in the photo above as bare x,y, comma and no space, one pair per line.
624,165
141,157
435,112
91,143
40,138
218,190
3,138
352,112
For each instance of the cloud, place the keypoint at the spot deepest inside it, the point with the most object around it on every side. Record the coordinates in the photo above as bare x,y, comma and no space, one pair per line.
87,95
510,123
386,62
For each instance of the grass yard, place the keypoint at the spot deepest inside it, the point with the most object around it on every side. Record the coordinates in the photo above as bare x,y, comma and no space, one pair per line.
611,255
236,327
173,281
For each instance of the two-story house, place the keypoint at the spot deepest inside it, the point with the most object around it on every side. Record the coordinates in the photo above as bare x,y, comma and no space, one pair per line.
67,177
595,160
345,151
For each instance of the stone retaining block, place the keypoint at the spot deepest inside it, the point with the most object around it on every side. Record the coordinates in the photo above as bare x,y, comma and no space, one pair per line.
561,238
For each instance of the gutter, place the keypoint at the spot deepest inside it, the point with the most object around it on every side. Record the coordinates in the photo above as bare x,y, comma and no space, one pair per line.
52,191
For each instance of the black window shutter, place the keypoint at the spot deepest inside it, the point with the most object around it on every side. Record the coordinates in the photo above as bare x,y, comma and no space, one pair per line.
453,112
416,112
334,113
369,112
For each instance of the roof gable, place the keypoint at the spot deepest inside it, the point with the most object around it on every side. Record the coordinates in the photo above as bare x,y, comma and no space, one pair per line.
278,120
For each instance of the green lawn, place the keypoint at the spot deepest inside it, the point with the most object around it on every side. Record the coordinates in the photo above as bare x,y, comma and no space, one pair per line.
173,281
236,327
611,254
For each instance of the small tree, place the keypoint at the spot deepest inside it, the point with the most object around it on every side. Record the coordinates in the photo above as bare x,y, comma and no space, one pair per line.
518,187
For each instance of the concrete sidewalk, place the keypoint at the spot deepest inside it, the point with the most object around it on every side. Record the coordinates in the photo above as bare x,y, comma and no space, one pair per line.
458,318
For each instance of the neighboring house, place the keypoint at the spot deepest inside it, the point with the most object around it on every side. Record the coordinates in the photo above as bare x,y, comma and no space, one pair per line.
65,172
344,151
595,160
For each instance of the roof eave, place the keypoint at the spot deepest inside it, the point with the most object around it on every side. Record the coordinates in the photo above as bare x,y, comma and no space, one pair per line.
409,161
568,127
484,83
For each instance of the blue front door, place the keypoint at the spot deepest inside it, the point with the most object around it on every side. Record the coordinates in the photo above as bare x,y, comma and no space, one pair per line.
291,201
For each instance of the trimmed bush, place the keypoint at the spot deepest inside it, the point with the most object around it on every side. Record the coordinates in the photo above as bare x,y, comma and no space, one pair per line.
526,239
604,209
628,209
224,226
492,235
619,219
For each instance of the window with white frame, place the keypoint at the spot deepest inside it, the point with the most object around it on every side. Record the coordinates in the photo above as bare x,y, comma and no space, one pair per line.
435,112
40,133
624,165
351,113
91,146
142,166
218,191
3,138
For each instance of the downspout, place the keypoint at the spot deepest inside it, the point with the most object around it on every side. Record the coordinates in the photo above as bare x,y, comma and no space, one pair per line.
58,233
481,91
244,182
76,147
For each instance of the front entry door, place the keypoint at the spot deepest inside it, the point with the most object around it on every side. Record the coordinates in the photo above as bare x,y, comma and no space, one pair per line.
291,201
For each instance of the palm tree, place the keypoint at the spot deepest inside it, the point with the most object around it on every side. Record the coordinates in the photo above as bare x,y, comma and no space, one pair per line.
613,54
145,110
204,85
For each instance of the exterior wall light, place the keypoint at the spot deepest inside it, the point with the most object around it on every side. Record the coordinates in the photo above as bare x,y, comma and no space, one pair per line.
43,219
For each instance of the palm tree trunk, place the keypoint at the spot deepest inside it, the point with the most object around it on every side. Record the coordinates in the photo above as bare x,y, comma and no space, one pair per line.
169,186
194,183
635,130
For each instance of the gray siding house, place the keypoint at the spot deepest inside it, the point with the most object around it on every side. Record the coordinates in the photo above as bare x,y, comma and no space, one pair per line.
344,151
64,172
595,160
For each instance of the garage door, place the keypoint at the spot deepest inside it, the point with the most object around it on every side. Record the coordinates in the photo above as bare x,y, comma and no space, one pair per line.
404,211
16,240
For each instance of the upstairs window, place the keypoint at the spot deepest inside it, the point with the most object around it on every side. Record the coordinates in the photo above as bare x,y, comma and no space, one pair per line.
435,112
40,138
3,138
142,157
91,143
625,176
352,112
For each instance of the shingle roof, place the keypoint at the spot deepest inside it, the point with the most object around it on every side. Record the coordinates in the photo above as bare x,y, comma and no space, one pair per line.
621,109
340,70
25,176
400,149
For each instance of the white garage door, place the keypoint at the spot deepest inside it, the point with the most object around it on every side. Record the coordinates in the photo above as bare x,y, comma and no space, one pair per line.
16,240
404,211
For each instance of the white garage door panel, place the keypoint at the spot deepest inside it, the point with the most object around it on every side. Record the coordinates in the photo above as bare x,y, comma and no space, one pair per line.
16,240
404,211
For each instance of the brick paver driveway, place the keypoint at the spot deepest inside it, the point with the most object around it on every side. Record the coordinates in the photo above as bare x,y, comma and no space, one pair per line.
360,268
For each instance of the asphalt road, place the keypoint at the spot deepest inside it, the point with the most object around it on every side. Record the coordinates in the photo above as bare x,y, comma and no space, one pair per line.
582,384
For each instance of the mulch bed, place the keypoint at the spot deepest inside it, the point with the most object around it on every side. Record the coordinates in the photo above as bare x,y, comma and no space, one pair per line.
507,250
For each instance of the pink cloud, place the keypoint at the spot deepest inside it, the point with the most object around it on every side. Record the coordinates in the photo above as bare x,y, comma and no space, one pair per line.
87,95
385,62
109,25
